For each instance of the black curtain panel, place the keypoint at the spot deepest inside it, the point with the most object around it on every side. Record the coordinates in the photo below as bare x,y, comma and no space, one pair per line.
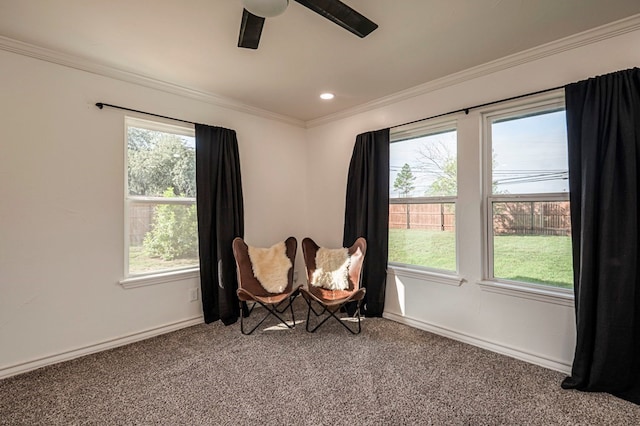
220,220
603,129
367,213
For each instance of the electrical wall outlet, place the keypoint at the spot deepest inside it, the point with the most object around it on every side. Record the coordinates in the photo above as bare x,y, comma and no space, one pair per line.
193,294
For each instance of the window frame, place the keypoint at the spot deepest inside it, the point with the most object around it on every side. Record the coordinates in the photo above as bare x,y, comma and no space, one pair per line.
413,131
133,280
545,103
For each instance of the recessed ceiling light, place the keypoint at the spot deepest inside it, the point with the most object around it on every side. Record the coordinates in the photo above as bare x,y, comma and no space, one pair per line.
327,96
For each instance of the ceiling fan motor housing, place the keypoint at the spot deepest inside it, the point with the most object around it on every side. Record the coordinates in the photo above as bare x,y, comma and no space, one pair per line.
266,8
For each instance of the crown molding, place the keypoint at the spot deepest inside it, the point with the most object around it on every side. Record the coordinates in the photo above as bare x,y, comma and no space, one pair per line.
594,35
83,64
584,38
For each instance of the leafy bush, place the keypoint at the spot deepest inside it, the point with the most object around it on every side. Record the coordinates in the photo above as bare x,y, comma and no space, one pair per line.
174,233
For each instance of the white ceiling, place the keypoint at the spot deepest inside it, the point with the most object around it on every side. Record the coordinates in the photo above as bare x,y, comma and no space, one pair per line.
192,43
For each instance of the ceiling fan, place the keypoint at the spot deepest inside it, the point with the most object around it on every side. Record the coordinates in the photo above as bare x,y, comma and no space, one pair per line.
255,12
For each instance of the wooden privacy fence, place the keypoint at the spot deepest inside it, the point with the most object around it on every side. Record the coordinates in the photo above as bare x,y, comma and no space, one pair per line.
509,218
140,220
439,216
531,218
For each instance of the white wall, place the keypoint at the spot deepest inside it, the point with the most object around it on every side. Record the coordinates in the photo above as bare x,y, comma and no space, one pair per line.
61,214
538,331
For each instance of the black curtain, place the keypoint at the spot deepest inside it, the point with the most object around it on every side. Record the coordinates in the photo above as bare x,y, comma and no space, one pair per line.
367,213
220,220
603,129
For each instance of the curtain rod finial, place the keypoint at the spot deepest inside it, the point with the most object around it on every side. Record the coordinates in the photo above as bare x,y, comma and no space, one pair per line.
100,105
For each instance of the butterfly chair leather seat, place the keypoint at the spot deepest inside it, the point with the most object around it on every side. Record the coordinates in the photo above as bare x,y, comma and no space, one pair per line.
331,302
250,290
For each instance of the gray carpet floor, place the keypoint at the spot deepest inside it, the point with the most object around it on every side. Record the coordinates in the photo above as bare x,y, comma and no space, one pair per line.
390,374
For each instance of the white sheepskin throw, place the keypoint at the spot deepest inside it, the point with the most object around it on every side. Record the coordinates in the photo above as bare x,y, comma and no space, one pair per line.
271,266
332,269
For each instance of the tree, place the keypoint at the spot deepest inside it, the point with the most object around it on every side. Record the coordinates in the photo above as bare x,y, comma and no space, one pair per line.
174,233
404,185
446,183
435,158
158,161
404,181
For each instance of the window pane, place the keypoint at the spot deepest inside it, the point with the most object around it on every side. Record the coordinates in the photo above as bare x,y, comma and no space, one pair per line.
162,236
532,242
423,235
424,166
529,154
160,195
160,161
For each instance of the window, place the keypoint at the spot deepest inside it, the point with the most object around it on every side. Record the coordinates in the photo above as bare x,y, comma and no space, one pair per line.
527,198
423,190
161,223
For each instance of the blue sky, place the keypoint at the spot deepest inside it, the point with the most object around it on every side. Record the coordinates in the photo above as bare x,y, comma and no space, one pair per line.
530,155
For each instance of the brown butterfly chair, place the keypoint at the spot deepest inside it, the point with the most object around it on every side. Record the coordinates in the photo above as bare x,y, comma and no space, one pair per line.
250,289
330,302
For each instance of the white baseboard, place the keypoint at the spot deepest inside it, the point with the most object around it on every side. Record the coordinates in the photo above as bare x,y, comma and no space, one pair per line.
23,367
543,361
532,358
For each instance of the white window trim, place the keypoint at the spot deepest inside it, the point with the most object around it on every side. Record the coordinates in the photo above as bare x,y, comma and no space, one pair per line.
424,200
162,200
430,275
154,277
540,292
158,125
414,131
555,295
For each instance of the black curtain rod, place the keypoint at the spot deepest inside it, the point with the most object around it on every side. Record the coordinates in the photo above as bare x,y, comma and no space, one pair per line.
466,110
102,105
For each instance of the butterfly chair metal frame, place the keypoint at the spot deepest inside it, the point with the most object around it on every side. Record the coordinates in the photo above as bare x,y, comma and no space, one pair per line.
331,302
250,289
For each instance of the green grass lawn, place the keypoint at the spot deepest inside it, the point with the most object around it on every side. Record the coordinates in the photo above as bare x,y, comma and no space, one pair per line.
140,262
434,249
538,259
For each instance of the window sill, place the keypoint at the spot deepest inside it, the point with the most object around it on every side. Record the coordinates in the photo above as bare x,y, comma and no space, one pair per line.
159,278
551,295
431,276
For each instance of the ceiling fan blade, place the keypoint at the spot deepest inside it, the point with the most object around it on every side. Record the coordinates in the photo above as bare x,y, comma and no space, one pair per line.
250,30
341,14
